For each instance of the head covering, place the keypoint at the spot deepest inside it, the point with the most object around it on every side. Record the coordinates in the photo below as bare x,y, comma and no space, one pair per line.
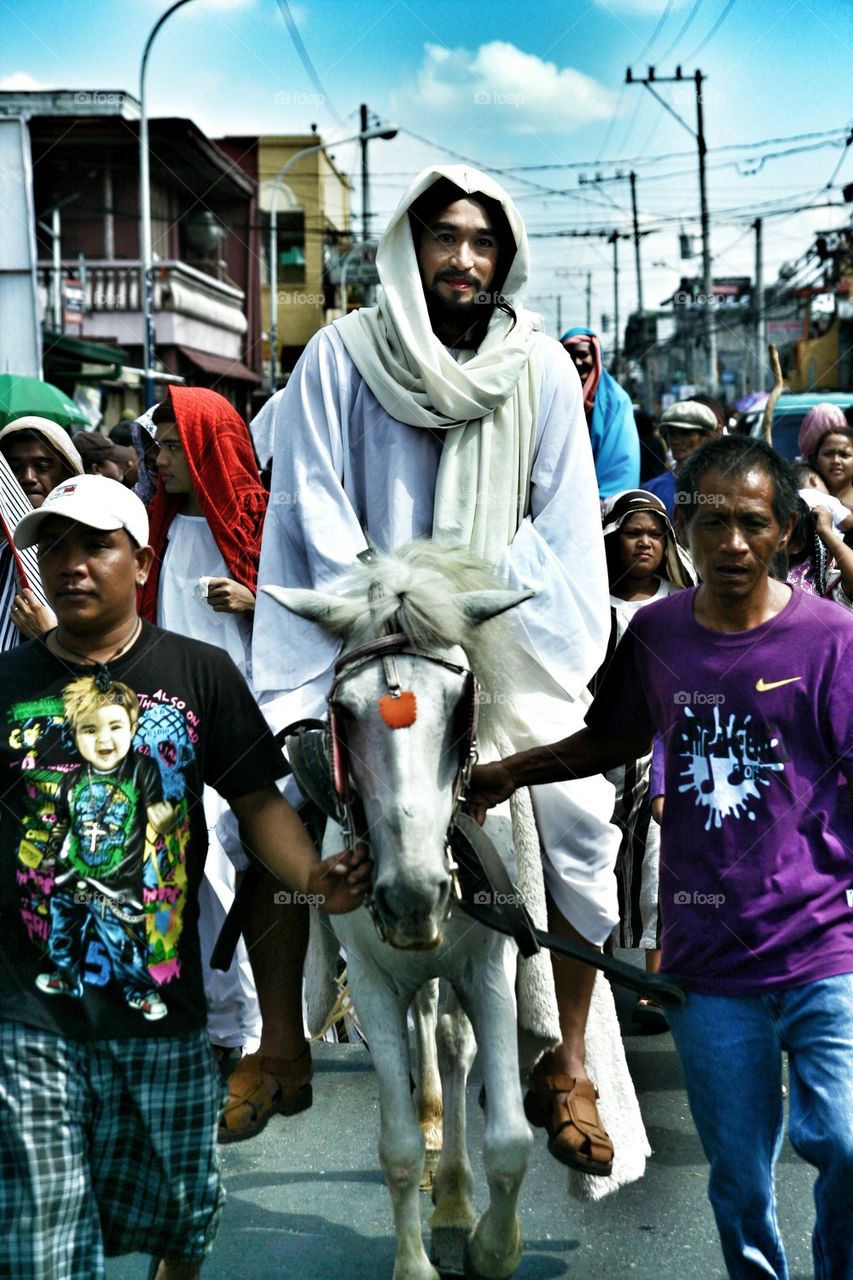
820,421
226,482
55,437
484,399
679,566
94,447
94,501
142,432
585,337
690,415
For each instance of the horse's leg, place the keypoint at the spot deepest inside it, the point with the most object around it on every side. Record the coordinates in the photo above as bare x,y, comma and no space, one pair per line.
382,1013
495,1246
427,1082
453,1216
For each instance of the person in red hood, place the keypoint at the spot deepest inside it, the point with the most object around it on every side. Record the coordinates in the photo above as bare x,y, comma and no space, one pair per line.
206,518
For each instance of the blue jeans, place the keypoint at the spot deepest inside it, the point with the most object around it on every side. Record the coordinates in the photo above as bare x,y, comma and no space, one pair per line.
731,1054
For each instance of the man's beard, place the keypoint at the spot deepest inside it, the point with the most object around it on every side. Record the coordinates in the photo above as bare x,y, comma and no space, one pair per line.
469,317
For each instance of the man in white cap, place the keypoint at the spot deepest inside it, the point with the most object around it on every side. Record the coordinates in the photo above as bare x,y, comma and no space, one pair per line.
39,454
113,727
446,412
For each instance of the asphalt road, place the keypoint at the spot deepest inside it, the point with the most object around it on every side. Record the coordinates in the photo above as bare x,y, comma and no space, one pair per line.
307,1200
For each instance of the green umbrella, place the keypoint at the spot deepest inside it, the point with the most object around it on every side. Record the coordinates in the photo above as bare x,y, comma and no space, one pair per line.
21,396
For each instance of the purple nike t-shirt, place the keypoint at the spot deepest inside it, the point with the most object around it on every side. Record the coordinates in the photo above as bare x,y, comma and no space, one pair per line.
756,862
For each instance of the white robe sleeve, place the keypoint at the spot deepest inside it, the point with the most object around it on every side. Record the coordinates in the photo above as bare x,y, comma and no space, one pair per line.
559,549
311,533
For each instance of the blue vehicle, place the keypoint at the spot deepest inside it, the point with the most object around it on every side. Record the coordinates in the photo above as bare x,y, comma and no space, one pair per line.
788,415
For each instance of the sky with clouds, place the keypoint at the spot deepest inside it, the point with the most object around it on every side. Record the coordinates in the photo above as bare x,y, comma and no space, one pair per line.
532,91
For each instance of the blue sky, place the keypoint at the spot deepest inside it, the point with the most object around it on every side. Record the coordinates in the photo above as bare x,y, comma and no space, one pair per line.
512,84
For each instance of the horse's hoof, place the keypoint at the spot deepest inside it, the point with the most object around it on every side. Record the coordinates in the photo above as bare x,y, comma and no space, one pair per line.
448,1248
482,1264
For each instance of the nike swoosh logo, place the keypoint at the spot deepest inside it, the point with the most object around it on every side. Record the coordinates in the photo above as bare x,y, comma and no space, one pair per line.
764,687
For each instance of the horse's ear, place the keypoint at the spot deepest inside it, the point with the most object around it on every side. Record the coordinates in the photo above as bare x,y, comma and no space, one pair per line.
328,611
479,606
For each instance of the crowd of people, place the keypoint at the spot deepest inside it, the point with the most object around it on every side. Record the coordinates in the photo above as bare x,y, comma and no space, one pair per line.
682,721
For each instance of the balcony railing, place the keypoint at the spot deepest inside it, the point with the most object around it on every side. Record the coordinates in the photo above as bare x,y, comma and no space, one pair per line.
190,307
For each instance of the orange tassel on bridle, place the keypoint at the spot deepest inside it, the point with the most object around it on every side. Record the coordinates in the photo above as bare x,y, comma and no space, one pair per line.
400,712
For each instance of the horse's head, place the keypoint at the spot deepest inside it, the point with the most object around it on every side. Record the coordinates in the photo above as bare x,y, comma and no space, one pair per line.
403,710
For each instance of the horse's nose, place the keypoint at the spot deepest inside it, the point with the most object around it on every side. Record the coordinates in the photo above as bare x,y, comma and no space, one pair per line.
413,911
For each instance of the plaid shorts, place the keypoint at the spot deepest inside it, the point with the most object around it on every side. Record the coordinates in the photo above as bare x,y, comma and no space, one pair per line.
106,1147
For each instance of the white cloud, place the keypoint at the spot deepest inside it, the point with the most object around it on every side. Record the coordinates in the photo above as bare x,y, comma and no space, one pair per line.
522,93
20,82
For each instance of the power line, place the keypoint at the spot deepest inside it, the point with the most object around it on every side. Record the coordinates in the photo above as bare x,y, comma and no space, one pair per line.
305,59
683,32
726,11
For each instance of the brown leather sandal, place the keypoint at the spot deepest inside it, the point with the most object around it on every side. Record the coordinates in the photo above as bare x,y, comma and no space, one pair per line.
253,1100
566,1108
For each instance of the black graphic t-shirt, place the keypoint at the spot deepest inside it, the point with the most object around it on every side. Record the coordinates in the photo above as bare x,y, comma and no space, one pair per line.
103,833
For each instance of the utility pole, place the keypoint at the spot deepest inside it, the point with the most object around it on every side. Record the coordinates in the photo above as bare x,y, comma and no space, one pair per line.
760,335
365,177
589,299
614,366
698,136
633,180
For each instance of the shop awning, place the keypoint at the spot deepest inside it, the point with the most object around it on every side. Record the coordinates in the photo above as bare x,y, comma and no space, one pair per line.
76,360
220,366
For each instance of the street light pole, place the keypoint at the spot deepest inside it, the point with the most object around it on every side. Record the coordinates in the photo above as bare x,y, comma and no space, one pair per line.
363,136
145,213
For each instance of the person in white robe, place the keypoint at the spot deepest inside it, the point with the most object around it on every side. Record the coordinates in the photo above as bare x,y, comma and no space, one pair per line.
446,412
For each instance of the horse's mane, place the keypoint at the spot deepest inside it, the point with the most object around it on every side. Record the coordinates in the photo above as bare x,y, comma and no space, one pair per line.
419,582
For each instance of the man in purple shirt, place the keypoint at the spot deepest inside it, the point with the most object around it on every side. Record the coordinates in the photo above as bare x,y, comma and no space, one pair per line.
749,684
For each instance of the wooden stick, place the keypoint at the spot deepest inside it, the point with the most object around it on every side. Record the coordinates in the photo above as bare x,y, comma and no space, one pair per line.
778,388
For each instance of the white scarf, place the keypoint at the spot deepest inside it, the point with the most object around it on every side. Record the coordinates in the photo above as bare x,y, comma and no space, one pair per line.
486,401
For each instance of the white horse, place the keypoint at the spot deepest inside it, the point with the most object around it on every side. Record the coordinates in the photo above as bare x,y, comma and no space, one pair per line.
402,714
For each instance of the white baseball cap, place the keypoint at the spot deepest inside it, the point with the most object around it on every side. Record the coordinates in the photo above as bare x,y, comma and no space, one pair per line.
91,500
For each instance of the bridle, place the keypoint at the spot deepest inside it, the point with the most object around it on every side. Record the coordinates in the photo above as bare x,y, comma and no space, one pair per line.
349,809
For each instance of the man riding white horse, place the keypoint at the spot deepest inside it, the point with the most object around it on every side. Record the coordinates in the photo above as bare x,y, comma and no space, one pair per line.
445,412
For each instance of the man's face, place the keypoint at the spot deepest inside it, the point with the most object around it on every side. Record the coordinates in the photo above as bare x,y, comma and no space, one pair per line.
103,737
582,358
172,466
734,533
37,468
682,443
89,576
457,255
